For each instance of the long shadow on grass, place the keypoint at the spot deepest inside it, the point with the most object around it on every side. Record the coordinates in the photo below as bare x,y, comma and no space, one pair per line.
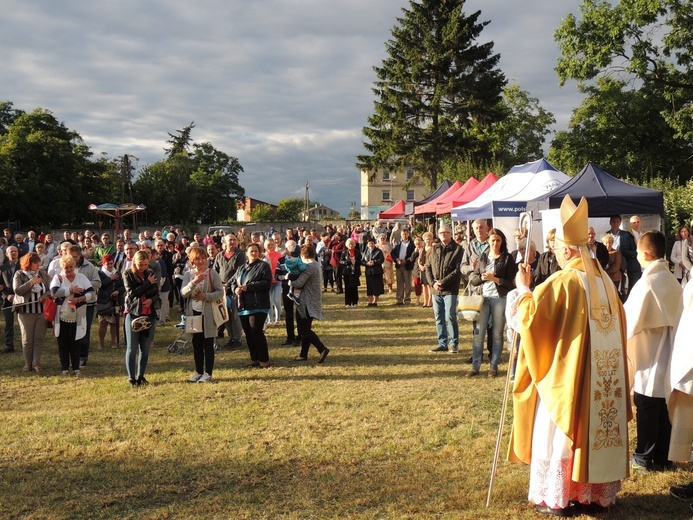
253,487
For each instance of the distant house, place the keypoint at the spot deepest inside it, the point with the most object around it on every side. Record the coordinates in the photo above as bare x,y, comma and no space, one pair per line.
247,205
380,190
318,212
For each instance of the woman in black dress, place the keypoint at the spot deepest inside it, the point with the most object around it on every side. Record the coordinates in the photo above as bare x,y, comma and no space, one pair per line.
373,259
351,271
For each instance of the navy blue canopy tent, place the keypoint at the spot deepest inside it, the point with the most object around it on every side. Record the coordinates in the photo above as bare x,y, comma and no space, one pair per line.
444,186
607,195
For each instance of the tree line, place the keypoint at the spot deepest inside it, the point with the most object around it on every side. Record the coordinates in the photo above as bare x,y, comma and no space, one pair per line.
49,176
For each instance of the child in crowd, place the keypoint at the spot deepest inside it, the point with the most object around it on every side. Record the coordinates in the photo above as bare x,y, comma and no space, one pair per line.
294,267
653,310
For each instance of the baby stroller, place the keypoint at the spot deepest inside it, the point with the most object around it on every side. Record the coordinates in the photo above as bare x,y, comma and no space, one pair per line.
179,343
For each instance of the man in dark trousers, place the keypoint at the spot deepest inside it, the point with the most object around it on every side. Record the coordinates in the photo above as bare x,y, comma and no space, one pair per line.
401,254
625,243
226,263
443,272
7,271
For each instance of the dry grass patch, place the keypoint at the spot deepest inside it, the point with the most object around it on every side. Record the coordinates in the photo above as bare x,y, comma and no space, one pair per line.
384,429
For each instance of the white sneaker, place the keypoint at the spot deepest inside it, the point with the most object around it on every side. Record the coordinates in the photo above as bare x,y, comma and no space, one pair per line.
204,378
195,378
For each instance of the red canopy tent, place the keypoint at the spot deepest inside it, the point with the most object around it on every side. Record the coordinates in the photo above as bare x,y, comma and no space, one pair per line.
468,196
430,206
396,211
442,201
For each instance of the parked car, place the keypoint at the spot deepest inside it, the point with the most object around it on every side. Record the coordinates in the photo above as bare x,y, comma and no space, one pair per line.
223,229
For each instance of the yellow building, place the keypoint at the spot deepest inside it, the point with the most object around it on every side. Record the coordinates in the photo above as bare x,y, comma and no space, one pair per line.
386,188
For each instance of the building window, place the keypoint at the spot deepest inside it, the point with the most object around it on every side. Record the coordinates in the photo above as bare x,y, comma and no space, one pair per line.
410,173
410,194
386,196
386,175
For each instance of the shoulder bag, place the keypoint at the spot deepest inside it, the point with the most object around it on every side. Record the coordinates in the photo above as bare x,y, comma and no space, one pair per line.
49,309
469,305
219,309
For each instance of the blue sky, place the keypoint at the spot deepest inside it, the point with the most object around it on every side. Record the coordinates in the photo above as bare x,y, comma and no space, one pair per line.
283,85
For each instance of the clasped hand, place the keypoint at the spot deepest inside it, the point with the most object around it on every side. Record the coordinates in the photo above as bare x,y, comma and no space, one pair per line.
524,275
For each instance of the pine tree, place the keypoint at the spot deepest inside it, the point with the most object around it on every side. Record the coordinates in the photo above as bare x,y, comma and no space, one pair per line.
438,92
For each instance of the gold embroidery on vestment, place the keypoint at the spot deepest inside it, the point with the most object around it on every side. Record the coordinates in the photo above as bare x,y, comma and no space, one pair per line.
610,397
606,321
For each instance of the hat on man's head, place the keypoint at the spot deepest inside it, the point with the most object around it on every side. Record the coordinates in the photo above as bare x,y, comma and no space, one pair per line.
573,229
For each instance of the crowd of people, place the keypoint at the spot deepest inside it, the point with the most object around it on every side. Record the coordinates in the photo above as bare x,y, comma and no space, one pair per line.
582,350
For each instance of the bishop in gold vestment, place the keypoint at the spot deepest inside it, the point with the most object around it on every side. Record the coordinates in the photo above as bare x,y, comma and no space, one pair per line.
571,401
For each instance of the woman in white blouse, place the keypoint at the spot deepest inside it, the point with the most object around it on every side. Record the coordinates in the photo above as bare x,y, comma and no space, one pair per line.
679,253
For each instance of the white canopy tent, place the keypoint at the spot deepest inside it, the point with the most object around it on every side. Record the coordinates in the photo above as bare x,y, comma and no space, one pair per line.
507,198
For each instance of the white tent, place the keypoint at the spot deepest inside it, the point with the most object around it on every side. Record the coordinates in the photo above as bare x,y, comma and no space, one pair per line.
507,198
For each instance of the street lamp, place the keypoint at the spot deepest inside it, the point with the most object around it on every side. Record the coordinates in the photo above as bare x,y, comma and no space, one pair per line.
392,178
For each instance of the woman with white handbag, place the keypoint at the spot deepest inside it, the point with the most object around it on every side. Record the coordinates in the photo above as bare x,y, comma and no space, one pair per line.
495,272
201,288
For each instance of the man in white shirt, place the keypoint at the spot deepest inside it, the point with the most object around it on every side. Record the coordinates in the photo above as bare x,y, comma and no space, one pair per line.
653,310
402,253
54,266
635,224
31,240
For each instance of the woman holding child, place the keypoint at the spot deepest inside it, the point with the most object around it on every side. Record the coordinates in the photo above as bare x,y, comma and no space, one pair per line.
309,282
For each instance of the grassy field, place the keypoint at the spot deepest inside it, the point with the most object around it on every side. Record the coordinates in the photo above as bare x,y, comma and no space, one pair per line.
384,429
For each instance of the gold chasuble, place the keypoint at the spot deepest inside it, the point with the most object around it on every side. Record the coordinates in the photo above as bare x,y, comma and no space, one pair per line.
575,366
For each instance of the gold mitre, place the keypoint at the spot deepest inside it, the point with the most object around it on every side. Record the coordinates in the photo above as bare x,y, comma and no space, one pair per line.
573,229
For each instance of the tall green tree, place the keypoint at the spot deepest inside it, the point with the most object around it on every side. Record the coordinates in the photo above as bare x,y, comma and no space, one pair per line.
437,91
7,115
196,182
180,142
288,209
624,132
167,191
216,183
650,41
46,171
520,136
263,213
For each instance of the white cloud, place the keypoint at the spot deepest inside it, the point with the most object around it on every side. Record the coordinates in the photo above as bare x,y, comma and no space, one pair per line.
285,86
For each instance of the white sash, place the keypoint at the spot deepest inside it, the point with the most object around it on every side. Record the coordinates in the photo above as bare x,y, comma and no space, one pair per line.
608,425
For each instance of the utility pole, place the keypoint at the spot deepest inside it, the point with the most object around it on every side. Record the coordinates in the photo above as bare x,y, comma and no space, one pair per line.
306,203
127,184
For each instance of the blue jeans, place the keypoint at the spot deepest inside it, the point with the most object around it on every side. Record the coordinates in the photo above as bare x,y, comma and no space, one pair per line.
275,303
493,308
445,313
137,343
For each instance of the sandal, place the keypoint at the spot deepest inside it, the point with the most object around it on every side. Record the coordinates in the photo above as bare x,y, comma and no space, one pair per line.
299,358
